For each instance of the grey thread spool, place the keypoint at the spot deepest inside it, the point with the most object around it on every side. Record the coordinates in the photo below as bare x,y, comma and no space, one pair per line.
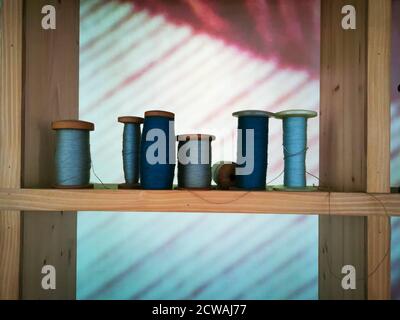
131,151
194,169
223,173
72,155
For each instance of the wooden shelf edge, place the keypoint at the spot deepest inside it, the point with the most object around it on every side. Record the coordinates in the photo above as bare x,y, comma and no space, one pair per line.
275,202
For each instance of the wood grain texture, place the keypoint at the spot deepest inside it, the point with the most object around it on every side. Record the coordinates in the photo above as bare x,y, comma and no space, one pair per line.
355,145
379,95
10,141
342,145
51,93
58,233
323,203
378,142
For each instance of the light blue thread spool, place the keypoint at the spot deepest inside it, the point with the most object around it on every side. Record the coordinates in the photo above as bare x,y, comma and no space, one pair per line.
131,151
72,155
295,146
194,161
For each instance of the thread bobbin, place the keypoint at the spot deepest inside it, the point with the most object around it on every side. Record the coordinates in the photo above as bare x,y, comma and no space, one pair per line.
296,113
159,113
130,120
182,139
285,116
257,121
158,176
223,174
73,125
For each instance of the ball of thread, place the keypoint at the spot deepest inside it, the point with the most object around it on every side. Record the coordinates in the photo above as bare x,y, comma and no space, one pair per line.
131,152
295,148
159,175
197,174
72,158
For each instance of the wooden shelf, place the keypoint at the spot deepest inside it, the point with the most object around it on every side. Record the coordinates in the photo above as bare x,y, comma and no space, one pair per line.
274,202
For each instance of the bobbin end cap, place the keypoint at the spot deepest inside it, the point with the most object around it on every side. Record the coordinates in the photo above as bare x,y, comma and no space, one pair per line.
159,113
72,124
296,113
195,136
254,113
224,174
130,119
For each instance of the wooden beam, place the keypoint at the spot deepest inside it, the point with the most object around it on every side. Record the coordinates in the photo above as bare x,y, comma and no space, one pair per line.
51,93
378,143
10,141
322,203
354,88
342,144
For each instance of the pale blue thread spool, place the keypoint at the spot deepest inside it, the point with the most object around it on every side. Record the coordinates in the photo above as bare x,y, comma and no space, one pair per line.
194,161
72,154
131,151
294,124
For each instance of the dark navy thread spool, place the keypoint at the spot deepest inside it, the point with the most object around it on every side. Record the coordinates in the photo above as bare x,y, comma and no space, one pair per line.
131,151
157,175
194,161
294,123
223,173
72,154
257,121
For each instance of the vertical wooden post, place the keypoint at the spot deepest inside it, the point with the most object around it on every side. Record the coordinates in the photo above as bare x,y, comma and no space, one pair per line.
10,141
51,93
378,143
354,144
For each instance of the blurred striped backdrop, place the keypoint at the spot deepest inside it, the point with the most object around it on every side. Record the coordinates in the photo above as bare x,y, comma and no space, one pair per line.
198,64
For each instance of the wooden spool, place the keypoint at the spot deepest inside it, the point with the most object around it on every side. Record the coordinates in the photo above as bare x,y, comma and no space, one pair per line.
133,120
73,125
300,113
223,174
194,137
159,113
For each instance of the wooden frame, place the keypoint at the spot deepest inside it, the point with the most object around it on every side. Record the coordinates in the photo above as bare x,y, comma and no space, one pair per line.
51,81
254,202
10,141
355,144
355,127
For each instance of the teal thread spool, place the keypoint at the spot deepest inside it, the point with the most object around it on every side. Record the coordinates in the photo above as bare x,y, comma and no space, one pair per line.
72,154
194,161
223,174
131,151
294,124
